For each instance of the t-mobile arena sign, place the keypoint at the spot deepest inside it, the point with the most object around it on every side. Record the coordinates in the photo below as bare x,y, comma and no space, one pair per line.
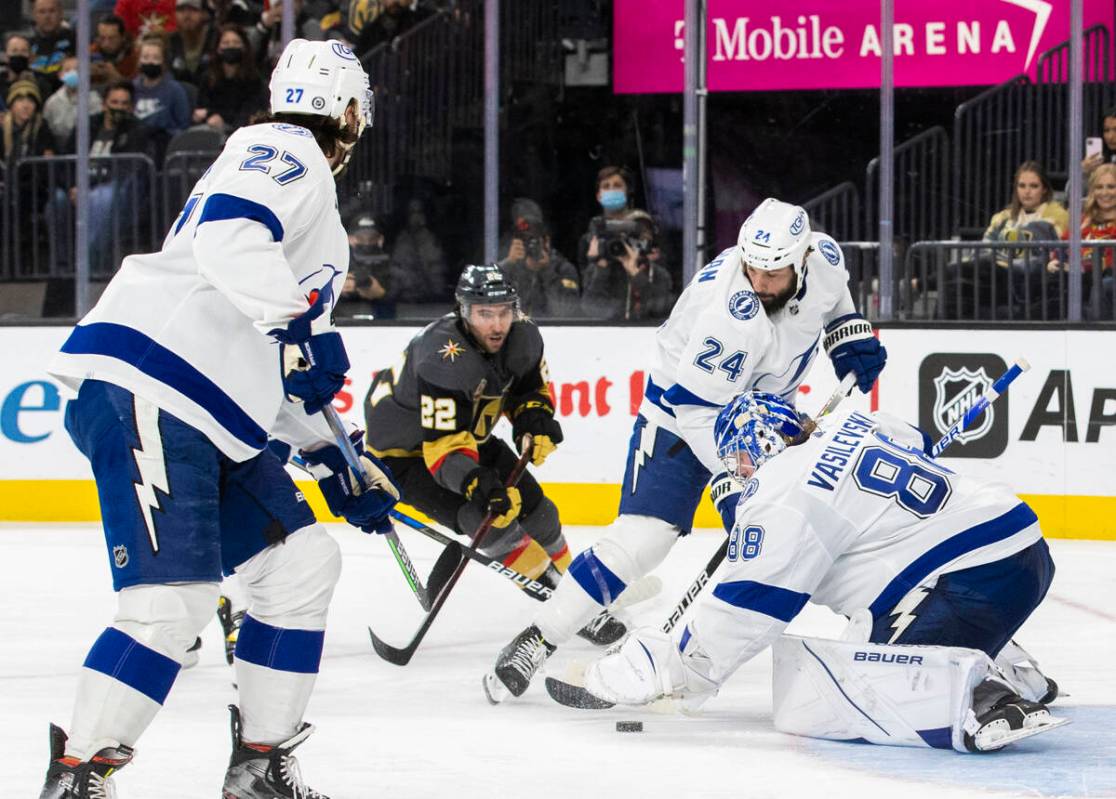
765,45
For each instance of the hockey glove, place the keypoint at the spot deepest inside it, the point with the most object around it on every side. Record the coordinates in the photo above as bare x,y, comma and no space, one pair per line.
541,425
365,507
849,343
313,366
485,489
725,494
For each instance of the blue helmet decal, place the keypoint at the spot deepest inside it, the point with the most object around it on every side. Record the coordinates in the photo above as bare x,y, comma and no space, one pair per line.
757,424
343,51
798,224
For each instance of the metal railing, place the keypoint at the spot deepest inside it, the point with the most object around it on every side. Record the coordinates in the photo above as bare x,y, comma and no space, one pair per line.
992,134
862,260
181,171
124,214
1003,281
836,212
922,187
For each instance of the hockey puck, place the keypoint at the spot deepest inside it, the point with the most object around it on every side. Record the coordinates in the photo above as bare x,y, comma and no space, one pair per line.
629,726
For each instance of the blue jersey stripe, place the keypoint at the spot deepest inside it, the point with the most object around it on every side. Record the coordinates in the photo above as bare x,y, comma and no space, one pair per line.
126,660
597,579
680,395
229,206
1015,520
156,361
770,600
654,395
298,651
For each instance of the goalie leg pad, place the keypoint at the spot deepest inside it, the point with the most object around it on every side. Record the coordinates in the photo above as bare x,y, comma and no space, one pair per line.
893,695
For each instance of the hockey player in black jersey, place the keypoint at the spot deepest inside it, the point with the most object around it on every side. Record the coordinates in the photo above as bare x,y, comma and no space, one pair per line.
431,416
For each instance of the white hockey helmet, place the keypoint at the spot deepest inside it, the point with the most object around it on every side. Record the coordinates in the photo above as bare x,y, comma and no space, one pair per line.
321,79
776,235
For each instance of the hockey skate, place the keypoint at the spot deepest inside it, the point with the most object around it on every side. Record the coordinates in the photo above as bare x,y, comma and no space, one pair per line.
230,625
69,778
258,771
604,629
516,665
1000,717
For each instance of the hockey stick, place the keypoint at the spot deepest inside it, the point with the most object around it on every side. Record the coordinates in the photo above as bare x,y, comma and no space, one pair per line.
402,656
571,695
699,582
353,460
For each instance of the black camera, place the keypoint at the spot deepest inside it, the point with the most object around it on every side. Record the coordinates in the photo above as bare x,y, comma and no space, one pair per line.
613,234
534,247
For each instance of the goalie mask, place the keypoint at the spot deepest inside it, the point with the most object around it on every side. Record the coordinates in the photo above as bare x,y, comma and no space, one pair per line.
758,424
323,79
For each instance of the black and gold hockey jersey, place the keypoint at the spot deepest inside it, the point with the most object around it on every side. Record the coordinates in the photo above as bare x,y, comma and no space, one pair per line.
442,400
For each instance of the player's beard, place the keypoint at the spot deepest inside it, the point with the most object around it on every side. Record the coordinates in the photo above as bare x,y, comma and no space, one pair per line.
775,302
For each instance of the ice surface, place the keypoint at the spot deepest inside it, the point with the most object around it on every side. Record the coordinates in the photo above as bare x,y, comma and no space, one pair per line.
425,730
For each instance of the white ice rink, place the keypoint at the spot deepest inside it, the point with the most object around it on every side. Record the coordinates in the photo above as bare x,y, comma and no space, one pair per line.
426,730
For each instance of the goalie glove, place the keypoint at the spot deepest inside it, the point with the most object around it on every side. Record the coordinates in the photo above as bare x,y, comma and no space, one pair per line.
851,345
313,366
725,494
649,666
541,425
364,506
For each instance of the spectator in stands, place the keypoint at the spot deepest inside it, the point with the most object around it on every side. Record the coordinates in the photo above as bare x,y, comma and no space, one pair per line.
614,190
1098,223
24,131
1004,281
161,102
367,286
1108,148
232,90
546,281
627,278
142,17
60,109
114,56
418,262
395,18
17,55
265,34
356,14
52,40
190,47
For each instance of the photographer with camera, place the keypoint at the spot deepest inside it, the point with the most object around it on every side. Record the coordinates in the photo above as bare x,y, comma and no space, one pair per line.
547,283
615,187
365,293
626,277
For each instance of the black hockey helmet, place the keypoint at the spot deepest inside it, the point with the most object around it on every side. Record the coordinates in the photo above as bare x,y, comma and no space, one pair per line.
484,284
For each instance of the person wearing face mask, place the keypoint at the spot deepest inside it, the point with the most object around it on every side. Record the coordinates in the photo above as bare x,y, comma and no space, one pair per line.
418,262
161,101
60,109
17,57
232,90
614,188
190,48
367,291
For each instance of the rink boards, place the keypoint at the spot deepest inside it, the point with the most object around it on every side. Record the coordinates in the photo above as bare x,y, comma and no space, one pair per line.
1052,438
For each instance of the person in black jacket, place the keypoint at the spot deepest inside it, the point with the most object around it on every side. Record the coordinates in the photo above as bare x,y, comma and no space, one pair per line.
547,283
233,89
626,277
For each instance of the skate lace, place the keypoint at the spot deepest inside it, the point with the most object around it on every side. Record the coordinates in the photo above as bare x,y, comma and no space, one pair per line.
597,622
99,787
528,656
292,777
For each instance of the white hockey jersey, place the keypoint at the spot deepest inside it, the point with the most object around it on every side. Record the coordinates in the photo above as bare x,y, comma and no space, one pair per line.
187,327
856,517
719,342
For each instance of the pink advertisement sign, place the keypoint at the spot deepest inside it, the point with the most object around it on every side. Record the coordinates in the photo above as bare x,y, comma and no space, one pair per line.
768,45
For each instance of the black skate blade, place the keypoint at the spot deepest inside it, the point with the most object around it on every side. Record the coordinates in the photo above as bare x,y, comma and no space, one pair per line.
571,695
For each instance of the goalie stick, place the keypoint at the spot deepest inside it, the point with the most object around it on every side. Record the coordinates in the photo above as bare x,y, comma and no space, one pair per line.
570,695
401,656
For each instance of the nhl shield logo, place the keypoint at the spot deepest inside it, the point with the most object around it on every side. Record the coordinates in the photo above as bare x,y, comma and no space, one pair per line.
120,556
955,392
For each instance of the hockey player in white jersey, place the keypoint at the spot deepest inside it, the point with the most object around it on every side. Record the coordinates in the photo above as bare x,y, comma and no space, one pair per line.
752,318
191,359
936,570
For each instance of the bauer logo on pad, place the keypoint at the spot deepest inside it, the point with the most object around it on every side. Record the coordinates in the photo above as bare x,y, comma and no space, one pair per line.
951,383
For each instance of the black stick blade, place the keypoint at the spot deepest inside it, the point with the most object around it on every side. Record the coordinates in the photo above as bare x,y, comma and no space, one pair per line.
571,695
443,569
400,657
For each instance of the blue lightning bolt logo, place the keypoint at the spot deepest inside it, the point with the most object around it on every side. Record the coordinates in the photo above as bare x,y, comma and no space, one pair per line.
643,452
151,465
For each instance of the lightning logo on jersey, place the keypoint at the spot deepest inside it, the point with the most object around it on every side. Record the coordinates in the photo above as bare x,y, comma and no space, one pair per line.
151,464
645,451
904,612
